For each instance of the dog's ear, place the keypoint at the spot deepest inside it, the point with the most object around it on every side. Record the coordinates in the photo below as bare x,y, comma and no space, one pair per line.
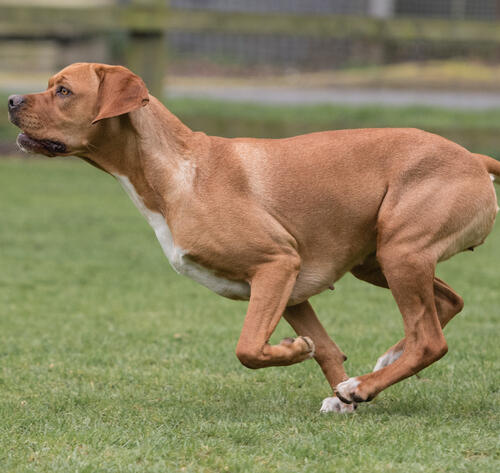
120,91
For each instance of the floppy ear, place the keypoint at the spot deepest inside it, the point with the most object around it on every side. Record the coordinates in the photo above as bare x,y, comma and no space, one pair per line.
120,91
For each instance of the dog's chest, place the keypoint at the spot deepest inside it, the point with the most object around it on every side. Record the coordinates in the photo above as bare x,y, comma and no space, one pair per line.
178,258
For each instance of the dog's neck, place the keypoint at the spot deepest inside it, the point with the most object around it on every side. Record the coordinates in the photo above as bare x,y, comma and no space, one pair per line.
156,153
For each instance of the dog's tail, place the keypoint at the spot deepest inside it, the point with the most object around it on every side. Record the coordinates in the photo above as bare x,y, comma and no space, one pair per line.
492,166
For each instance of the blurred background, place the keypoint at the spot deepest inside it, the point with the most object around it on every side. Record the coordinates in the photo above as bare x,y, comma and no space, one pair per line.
276,67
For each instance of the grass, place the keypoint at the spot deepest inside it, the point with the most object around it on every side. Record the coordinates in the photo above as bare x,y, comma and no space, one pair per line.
110,362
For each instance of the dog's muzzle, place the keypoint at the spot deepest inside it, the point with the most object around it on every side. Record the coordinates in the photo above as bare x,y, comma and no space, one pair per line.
14,104
26,142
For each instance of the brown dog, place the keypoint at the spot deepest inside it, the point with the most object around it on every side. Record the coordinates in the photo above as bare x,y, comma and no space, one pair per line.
277,221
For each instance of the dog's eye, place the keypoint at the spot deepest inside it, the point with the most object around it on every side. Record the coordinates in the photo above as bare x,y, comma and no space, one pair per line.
63,91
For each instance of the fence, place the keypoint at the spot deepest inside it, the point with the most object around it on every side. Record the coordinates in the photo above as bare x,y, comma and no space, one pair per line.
282,33
449,9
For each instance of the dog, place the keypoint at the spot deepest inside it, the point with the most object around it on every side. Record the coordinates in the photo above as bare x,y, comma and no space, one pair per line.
275,222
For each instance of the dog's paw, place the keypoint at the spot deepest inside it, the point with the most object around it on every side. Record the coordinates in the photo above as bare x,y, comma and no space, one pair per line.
304,344
310,348
349,391
334,404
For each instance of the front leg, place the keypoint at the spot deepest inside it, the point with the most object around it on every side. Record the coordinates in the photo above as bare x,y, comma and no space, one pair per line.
271,287
328,355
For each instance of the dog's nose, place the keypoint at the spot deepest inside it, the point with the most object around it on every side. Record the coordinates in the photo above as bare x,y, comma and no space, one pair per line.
15,101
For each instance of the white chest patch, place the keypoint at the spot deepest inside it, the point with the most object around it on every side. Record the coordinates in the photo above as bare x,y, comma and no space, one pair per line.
178,257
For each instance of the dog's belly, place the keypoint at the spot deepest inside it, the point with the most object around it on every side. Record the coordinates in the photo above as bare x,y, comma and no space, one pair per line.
314,278
178,258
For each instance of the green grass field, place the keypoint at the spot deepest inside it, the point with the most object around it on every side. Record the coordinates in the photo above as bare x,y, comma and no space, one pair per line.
110,362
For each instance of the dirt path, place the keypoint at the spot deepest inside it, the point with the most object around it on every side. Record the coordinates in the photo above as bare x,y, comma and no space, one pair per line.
390,97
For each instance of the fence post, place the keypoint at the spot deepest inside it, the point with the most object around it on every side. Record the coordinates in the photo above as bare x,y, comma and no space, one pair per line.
381,8
146,49
458,9
146,56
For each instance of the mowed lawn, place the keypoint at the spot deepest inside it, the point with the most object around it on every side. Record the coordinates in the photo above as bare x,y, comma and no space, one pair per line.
111,362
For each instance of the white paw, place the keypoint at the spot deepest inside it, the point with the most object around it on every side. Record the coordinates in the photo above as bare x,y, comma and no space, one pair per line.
386,359
347,388
334,404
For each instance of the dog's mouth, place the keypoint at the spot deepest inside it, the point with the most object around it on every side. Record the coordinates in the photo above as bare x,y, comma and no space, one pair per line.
49,148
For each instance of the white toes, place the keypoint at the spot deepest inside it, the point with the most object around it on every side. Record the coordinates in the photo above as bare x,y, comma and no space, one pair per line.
386,359
334,404
346,388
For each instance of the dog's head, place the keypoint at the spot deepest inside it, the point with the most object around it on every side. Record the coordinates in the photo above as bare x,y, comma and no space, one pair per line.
62,120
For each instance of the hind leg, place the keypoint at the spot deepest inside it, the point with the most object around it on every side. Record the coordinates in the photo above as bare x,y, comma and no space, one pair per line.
448,304
410,275
423,219
328,355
